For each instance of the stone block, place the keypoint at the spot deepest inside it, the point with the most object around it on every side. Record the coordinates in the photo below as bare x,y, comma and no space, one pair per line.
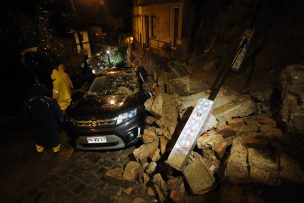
220,149
198,177
236,169
132,171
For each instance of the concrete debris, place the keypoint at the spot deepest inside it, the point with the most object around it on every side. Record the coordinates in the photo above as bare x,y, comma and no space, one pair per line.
236,169
160,187
114,176
163,141
145,151
243,107
189,101
210,124
226,96
146,178
151,168
149,135
185,86
132,171
292,96
220,149
163,106
156,156
209,140
210,160
198,177
150,120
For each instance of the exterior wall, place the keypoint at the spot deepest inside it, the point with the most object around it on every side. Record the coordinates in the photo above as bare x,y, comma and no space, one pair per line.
163,23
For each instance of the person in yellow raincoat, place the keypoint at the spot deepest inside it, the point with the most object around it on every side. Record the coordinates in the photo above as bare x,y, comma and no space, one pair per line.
65,76
61,90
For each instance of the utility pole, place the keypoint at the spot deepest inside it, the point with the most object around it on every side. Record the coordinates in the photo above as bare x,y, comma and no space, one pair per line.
77,29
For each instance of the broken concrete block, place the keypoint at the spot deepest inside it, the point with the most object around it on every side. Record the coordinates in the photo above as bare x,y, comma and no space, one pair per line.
132,171
160,187
209,140
198,177
163,141
263,167
236,169
189,101
292,111
146,178
151,167
149,135
243,107
142,153
156,156
210,124
220,149
114,176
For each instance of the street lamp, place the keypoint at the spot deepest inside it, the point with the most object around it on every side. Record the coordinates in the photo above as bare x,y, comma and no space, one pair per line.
108,54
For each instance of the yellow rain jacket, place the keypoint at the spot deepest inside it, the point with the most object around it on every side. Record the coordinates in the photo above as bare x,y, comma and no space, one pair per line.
65,76
61,91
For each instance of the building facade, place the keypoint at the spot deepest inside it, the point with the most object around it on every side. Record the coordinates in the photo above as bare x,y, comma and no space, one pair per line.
157,25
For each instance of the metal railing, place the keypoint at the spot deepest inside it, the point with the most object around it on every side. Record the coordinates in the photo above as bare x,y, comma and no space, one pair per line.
160,47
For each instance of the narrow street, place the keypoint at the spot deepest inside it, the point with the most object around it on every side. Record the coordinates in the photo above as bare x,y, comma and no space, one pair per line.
68,176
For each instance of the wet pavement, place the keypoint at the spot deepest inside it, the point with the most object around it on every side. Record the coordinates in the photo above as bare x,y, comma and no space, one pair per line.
69,176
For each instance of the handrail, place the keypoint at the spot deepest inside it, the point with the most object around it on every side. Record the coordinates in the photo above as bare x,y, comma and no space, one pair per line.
160,46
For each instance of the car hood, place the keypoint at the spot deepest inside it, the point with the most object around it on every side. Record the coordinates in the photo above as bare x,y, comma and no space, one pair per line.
103,106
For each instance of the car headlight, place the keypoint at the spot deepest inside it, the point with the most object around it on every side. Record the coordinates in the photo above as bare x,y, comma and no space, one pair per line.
126,116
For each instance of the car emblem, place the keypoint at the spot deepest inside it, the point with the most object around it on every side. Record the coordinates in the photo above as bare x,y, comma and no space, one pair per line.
93,124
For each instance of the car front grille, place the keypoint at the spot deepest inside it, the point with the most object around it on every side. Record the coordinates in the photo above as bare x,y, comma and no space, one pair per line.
95,123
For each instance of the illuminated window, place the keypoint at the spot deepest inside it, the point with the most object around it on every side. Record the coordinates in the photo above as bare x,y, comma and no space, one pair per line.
153,26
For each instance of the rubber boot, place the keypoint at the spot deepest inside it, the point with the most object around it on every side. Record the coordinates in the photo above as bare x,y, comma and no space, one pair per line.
56,149
39,148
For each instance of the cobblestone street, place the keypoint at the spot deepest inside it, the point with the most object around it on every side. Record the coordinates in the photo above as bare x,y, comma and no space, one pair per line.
80,179
70,176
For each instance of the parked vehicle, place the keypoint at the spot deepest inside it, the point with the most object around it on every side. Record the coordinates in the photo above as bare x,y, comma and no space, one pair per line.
111,113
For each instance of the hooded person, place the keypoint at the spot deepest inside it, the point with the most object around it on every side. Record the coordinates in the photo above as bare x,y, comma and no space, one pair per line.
61,90
65,76
45,118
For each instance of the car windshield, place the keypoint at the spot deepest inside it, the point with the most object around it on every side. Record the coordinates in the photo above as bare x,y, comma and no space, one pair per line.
114,84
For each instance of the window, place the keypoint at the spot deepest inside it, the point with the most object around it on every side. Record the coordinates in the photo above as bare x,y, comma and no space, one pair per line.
153,26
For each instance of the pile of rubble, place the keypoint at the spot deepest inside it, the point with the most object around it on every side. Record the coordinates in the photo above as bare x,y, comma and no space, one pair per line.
241,143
